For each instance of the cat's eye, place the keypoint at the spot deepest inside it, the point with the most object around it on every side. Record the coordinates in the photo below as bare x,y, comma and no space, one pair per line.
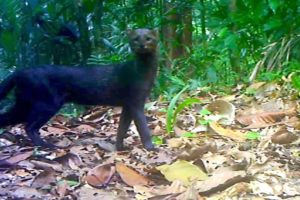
136,39
148,39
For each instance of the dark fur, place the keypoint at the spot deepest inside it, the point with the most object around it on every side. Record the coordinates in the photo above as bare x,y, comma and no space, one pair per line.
42,91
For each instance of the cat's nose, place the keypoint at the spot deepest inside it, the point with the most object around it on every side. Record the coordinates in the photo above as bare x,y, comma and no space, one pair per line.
142,46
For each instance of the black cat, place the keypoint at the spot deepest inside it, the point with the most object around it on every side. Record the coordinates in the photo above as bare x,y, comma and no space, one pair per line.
41,91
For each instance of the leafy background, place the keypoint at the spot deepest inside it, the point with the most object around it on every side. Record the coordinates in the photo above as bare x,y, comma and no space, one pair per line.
203,43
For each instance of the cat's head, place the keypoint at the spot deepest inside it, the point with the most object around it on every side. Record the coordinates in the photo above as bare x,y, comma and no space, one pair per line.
142,41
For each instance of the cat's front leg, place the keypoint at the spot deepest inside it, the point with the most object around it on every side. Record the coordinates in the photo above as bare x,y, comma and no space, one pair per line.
125,121
141,124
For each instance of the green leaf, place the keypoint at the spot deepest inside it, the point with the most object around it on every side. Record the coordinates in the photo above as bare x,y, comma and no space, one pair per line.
171,108
184,104
231,41
189,135
211,75
89,5
252,135
296,82
204,122
250,91
158,140
272,24
205,112
223,32
274,4
8,41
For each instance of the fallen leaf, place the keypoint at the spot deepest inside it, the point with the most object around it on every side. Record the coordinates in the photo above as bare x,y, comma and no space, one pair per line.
131,177
160,191
233,134
46,165
100,175
191,193
265,119
27,193
220,181
62,188
182,170
44,179
221,110
266,89
69,160
175,142
15,159
56,130
22,173
283,136
255,86
196,152
85,128
88,193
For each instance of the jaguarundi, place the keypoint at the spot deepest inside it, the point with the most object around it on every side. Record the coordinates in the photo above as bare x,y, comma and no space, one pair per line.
41,91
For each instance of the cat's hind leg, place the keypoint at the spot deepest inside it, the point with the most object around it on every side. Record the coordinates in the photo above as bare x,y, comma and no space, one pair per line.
15,115
40,114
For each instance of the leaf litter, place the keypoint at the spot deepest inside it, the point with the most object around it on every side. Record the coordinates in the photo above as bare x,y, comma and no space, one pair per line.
241,146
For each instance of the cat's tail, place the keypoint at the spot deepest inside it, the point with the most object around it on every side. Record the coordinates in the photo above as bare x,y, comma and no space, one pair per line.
7,85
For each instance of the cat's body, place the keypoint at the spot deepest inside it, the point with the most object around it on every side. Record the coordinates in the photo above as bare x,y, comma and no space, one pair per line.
41,91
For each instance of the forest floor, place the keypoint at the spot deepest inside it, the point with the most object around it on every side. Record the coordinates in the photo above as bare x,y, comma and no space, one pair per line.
239,146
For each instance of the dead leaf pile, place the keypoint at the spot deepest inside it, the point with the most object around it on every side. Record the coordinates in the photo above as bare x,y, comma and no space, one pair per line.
245,147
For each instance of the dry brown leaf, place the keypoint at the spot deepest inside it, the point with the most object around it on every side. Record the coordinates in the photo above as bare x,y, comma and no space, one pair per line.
90,193
44,179
85,128
159,192
56,130
175,142
196,152
222,110
46,165
233,134
191,193
178,131
221,181
100,175
255,86
131,177
266,89
265,119
62,189
60,119
15,159
69,160
21,173
158,130
27,193
185,121
283,136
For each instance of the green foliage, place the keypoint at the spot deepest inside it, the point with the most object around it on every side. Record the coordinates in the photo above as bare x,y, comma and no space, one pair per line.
270,76
229,38
173,111
252,135
158,140
204,112
170,111
189,135
250,91
296,81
